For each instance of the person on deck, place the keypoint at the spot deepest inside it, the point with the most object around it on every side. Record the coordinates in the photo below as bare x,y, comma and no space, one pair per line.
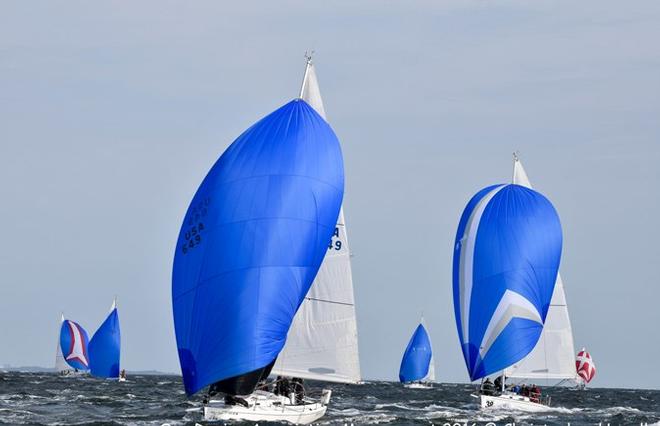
498,383
524,390
535,394
298,387
282,386
487,387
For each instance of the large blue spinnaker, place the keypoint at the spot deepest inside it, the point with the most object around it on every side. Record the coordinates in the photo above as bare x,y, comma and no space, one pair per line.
74,341
417,357
251,243
104,347
506,257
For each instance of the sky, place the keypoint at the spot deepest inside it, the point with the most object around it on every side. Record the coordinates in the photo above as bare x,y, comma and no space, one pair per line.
111,113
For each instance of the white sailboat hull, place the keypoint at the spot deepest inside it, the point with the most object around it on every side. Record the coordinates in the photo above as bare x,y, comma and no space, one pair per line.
509,401
418,386
268,407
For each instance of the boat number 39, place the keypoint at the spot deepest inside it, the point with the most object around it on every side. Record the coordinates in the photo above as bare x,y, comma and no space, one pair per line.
335,242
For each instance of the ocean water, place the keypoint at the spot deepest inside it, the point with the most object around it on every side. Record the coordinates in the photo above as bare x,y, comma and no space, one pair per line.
47,399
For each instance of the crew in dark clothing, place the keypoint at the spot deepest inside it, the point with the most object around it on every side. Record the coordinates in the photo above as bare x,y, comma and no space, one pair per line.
498,383
487,388
524,390
535,394
298,387
282,386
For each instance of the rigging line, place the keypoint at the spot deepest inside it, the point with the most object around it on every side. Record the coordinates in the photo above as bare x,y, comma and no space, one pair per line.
329,301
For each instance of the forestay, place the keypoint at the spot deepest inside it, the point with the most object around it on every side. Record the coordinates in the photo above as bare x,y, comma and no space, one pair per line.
552,357
322,343
250,245
506,257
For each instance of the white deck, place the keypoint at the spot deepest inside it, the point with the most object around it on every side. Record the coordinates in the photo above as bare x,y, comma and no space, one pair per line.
268,407
510,401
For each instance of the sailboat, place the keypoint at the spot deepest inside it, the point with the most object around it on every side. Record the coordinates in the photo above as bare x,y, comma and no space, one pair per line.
251,243
506,259
61,366
73,344
552,359
105,346
586,369
417,370
322,343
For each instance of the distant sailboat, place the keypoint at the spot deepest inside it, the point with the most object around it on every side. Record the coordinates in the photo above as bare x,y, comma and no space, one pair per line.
553,356
585,367
506,258
105,346
250,246
74,342
417,370
61,366
322,343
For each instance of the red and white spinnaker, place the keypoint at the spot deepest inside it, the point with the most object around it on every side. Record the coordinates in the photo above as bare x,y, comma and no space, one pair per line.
585,366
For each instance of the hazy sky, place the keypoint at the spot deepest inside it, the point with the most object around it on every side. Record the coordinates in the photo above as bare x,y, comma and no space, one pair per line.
111,113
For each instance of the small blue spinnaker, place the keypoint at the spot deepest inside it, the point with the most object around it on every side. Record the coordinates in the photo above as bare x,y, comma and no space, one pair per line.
251,243
105,346
417,358
506,258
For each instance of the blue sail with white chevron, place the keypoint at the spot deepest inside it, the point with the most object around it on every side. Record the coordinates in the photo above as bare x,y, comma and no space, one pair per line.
73,344
506,257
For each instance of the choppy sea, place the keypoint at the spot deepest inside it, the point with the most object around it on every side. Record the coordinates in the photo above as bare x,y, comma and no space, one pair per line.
47,399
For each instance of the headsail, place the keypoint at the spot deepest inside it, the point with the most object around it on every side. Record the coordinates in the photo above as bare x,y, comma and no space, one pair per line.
250,246
74,341
506,256
322,343
552,357
105,346
60,363
417,359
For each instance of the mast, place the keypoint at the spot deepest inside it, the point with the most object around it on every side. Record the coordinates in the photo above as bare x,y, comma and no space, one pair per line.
308,65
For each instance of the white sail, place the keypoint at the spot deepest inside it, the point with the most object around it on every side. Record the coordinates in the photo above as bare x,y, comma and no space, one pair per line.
60,363
430,377
552,358
322,343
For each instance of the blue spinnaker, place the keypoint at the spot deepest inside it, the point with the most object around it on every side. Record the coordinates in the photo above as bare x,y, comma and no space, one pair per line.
417,357
251,243
74,341
506,257
105,346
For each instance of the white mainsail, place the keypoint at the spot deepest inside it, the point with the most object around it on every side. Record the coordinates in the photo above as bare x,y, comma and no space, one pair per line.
322,343
552,358
60,363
